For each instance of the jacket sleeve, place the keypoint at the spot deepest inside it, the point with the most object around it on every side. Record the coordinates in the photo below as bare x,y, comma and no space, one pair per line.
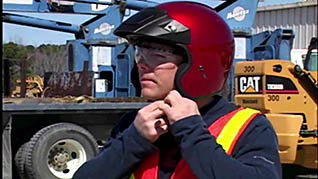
119,158
255,155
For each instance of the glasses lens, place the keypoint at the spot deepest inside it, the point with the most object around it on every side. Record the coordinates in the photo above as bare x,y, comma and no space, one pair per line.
154,56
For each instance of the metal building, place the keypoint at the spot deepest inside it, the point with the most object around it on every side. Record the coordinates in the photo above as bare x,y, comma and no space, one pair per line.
300,16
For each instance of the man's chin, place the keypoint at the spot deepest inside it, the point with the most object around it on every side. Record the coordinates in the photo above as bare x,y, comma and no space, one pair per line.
151,95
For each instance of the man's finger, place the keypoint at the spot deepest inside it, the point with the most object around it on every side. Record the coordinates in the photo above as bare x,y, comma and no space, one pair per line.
176,93
166,109
157,113
162,123
173,98
161,126
152,106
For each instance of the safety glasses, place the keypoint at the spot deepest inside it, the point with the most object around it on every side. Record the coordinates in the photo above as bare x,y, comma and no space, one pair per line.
154,57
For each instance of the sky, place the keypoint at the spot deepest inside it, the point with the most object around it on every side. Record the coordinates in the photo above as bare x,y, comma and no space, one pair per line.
34,36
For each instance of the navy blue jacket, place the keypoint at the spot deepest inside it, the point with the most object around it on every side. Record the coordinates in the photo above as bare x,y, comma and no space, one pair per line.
255,155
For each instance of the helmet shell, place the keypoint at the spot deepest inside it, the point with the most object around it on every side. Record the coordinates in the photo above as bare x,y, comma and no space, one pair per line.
204,36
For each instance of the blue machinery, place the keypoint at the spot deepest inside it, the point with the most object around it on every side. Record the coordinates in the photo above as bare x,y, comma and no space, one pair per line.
110,59
94,42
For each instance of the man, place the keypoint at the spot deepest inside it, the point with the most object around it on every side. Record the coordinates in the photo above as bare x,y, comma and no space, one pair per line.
184,52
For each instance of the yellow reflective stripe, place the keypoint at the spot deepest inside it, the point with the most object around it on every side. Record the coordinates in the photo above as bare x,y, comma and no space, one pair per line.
233,126
132,176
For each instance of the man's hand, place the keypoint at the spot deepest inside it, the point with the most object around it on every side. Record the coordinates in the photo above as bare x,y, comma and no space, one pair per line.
149,121
176,107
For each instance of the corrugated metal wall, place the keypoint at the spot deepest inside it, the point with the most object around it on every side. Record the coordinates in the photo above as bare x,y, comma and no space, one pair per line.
301,17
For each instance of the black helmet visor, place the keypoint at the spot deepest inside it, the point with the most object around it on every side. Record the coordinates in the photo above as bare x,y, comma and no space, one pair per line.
153,24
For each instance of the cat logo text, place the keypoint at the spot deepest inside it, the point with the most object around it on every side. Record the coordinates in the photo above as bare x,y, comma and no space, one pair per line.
250,84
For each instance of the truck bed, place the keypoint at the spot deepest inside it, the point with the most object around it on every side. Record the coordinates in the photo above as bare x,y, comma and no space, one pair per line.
68,105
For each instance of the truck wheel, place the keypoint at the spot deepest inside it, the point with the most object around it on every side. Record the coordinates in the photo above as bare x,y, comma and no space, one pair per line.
19,160
58,150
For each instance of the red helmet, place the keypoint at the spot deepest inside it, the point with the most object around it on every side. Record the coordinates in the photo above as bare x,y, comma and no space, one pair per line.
199,32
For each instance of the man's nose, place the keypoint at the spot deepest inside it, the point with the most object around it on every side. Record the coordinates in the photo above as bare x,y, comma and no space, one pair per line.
142,65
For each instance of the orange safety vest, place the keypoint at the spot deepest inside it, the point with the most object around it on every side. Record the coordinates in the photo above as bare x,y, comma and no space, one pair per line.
227,131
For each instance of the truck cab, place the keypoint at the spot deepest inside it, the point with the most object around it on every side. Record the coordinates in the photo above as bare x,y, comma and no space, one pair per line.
311,60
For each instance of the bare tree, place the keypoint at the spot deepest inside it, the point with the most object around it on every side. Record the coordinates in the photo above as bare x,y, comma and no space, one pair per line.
49,58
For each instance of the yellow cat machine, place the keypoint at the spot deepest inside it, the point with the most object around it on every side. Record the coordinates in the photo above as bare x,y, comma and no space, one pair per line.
34,87
288,96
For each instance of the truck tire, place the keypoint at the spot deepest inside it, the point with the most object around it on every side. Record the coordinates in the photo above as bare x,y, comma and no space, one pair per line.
310,176
58,150
19,160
